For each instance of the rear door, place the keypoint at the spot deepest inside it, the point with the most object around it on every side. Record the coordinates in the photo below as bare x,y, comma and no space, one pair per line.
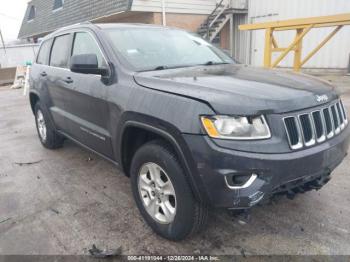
38,75
86,99
56,76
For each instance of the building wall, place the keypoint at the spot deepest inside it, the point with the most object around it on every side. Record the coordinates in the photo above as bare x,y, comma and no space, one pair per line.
17,55
189,22
225,37
175,6
128,17
7,75
336,52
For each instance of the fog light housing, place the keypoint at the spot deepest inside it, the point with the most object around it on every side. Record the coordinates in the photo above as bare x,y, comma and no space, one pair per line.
240,180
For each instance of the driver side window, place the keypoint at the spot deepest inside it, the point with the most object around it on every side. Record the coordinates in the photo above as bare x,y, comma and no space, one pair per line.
84,43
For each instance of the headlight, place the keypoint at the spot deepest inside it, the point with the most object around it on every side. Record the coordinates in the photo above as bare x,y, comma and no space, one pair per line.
240,128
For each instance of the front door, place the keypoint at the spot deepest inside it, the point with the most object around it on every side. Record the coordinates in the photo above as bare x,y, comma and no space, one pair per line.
88,112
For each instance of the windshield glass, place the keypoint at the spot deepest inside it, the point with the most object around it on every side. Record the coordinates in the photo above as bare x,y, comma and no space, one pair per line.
157,48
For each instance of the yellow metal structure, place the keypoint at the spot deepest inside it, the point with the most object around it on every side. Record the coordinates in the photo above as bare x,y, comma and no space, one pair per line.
302,27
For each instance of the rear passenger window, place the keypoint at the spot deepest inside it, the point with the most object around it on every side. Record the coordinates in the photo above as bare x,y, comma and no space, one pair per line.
44,53
84,43
60,51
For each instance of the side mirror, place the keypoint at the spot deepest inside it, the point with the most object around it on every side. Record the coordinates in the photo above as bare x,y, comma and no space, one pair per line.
86,64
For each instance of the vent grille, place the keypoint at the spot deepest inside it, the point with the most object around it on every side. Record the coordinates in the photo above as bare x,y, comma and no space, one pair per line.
315,127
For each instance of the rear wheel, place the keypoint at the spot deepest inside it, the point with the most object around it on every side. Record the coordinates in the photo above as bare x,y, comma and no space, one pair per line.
162,193
48,136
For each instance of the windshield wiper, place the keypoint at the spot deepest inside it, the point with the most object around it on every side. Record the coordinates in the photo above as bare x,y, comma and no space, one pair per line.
161,68
164,67
215,63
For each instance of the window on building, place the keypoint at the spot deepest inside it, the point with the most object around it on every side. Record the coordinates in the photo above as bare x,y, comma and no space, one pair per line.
57,4
31,15
60,51
85,44
44,53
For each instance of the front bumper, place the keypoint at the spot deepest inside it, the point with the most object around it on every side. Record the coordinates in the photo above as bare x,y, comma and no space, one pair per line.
273,171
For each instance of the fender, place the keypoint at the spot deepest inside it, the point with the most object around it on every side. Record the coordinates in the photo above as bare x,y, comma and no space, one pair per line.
174,137
44,107
35,92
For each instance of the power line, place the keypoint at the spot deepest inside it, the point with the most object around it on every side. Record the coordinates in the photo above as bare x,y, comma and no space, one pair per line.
10,17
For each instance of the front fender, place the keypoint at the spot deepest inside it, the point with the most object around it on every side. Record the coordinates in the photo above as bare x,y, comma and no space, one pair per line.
174,137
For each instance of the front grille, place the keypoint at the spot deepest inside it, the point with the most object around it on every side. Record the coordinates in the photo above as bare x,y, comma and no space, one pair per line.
307,129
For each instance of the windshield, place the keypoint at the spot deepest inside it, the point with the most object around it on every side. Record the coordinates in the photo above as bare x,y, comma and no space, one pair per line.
158,48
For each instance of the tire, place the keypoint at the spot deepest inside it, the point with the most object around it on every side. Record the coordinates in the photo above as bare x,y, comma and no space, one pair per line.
48,135
189,216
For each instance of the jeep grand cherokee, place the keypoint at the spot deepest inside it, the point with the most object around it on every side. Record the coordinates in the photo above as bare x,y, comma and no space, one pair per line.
191,128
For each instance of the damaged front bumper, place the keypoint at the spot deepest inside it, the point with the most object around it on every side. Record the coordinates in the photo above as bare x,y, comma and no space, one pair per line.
264,174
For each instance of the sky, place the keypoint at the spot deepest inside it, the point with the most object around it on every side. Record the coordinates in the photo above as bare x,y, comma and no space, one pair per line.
11,15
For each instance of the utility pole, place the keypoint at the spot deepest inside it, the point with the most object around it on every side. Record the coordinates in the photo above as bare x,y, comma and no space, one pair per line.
163,13
2,41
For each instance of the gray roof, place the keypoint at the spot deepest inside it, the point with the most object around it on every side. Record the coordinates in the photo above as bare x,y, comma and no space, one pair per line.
74,11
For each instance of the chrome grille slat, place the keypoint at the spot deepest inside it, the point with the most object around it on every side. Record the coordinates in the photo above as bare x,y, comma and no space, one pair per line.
340,116
319,125
309,128
335,119
294,134
329,122
343,110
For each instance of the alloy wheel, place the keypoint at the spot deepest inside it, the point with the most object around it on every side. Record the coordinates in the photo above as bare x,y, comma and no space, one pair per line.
41,125
157,193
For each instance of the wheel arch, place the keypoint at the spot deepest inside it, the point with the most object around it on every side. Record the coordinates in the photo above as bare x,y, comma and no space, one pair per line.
172,137
33,99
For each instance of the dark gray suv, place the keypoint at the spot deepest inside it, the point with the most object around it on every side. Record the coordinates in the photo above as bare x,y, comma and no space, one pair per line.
192,128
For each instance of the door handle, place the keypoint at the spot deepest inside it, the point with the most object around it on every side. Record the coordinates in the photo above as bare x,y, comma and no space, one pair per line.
69,80
43,73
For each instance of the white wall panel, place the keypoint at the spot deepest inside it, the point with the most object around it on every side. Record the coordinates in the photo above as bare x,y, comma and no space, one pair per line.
175,6
336,52
17,55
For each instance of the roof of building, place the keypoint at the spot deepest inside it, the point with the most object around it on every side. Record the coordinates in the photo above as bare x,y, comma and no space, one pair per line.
47,18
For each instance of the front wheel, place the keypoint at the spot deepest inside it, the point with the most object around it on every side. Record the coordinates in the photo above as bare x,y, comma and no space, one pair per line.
48,136
163,195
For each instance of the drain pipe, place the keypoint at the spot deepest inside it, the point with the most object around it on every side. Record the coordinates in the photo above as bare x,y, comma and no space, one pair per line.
349,66
163,13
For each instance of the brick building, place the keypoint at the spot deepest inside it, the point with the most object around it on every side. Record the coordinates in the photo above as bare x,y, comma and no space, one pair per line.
44,16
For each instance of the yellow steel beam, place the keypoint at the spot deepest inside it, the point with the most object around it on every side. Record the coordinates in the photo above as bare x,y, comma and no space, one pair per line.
275,45
278,49
296,41
302,27
298,51
313,52
268,47
316,26
319,21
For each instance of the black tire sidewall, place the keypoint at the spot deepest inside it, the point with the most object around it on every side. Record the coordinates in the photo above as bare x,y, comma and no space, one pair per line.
51,140
185,206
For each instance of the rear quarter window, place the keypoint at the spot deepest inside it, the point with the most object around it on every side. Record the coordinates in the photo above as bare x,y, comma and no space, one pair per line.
60,51
44,53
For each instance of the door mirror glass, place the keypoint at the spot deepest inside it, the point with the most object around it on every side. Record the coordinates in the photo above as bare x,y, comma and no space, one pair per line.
86,64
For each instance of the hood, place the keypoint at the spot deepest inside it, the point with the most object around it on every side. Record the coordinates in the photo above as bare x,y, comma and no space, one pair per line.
241,90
